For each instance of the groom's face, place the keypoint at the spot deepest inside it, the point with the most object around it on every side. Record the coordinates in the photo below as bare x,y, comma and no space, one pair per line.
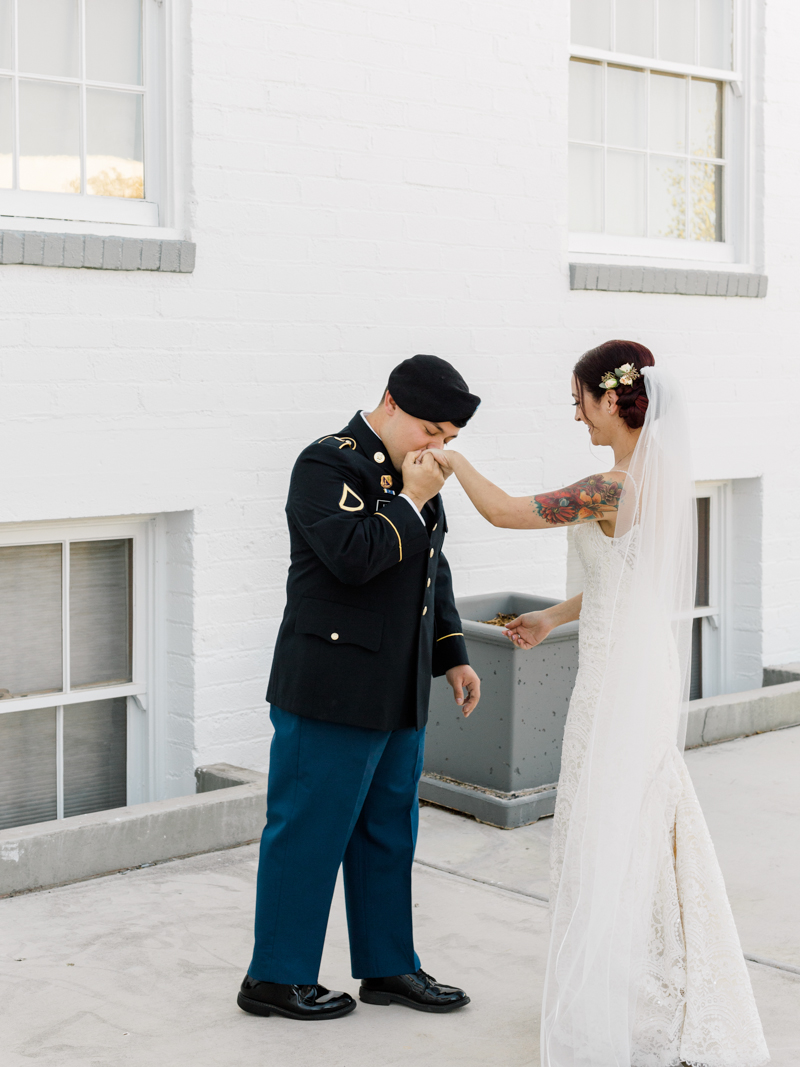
403,433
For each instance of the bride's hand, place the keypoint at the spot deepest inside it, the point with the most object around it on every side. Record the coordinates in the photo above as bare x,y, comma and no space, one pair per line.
529,630
443,458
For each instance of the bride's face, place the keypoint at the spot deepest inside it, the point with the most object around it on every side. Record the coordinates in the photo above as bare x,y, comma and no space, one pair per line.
598,416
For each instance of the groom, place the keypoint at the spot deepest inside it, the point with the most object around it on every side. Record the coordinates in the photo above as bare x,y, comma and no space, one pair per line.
370,616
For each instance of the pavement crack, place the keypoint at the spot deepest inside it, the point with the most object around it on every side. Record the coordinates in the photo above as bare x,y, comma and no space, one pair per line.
763,961
484,881
776,965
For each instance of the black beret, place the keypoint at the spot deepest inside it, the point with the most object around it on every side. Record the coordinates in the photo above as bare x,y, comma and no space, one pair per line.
431,388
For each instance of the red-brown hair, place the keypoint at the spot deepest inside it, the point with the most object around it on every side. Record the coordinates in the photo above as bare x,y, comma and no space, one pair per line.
631,399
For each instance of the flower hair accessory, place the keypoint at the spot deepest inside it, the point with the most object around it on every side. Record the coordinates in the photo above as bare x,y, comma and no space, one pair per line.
624,375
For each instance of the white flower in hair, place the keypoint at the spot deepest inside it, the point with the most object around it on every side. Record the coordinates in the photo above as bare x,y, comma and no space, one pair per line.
624,375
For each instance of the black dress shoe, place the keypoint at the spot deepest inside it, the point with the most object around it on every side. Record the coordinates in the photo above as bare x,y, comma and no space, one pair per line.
293,1001
418,991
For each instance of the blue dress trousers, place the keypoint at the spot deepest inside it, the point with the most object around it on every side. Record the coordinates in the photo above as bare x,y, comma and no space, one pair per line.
337,795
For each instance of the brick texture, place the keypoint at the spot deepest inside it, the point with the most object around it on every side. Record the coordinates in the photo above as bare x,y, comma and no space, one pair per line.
369,180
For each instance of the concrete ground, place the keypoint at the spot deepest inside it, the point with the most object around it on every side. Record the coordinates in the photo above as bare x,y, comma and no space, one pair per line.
142,968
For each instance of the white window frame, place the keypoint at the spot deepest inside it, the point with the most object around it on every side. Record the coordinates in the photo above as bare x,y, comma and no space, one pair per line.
716,626
143,741
737,250
160,215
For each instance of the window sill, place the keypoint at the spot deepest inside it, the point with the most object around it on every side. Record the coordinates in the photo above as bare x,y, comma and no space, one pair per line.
657,251
55,206
615,278
95,252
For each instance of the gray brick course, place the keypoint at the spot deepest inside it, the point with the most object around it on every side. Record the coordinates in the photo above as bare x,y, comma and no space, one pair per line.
12,247
33,249
98,253
612,278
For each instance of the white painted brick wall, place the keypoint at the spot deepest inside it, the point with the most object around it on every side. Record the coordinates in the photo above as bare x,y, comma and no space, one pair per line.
369,180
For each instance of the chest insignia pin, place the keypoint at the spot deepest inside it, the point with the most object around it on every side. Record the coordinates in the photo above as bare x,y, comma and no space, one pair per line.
386,481
379,457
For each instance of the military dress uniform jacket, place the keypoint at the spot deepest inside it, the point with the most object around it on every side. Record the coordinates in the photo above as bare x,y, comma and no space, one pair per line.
370,614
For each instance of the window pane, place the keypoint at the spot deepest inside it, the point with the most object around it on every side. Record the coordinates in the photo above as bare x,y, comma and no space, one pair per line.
6,51
585,101
49,140
696,678
95,756
634,27
591,22
667,113
703,551
625,173
706,118
48,37
585,188
716,42
100,612
626,119
114,156
676,30
114,41
705,215
30,620
6,135
667,197
27,767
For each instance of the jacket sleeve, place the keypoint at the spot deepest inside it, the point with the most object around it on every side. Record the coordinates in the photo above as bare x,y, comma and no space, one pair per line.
330,508
449,648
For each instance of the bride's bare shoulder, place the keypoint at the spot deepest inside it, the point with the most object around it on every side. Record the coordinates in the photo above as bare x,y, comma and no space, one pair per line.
589,499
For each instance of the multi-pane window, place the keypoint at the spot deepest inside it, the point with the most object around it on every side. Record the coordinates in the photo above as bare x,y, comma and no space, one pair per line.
648,154
66,676
702,598
74,105
709,639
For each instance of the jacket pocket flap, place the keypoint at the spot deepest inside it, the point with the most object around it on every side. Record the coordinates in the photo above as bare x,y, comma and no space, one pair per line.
339,623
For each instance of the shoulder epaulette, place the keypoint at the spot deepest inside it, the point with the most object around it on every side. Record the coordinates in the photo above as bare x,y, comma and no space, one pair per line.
339,442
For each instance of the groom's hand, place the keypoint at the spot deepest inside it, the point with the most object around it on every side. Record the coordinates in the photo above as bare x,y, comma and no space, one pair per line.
461,678
422,477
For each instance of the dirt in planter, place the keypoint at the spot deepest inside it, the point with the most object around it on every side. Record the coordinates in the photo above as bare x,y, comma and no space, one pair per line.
499,620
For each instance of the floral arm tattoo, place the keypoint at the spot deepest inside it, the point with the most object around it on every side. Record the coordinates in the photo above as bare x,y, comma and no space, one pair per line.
590,498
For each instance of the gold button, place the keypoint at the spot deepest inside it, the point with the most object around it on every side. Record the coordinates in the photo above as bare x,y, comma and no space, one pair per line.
429,583
334,637
434,526
379,457
431,553
425,610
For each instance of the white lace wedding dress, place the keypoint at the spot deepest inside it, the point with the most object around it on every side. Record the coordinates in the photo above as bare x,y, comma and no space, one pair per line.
695,1002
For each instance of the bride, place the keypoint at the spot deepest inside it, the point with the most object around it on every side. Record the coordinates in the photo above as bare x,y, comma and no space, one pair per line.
644,967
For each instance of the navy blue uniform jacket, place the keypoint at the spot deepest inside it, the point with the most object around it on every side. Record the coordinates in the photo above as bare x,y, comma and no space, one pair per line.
370,614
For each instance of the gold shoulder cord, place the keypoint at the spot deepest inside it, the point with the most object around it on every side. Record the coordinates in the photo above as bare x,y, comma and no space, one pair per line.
347,442
399,539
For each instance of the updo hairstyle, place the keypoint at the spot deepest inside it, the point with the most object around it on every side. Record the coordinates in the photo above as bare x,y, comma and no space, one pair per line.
631,399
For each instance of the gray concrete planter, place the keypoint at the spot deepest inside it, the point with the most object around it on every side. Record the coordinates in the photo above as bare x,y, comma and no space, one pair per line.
501,764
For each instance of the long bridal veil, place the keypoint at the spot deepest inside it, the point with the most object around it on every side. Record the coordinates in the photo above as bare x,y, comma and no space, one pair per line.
622,816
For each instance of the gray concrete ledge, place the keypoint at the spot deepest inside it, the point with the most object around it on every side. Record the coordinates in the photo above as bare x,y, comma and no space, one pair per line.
733,715
779,675
97,253
226,776
84,846
506,810
230,804
618,279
